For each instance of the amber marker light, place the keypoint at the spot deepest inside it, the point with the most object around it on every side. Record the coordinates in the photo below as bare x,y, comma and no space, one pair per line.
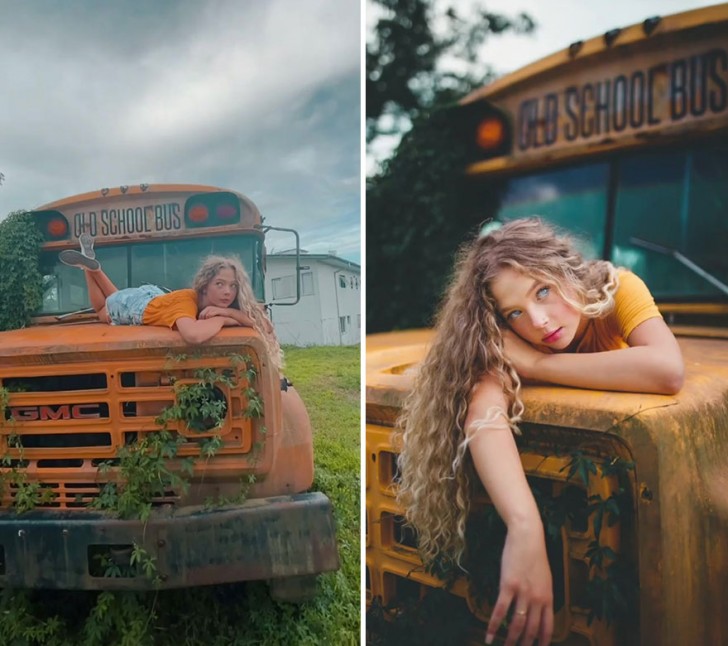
57,228
198,214
491,133
226,211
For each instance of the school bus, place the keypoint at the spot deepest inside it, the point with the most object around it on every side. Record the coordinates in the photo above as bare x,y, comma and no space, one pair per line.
623,140
226,492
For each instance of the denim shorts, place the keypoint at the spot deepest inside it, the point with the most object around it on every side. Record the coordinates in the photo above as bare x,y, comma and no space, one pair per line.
126,307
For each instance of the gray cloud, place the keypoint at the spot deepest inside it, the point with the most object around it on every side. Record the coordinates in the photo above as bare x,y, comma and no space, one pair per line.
260,97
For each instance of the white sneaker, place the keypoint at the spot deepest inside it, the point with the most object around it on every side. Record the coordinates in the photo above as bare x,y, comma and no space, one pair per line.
87,245
73,258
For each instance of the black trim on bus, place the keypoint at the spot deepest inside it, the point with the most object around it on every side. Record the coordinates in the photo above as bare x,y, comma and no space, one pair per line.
611,208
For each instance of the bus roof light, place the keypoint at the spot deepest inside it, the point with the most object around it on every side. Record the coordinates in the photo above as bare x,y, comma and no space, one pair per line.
198,214
57,228
650,24
491,133
575,48
226,211
611,36
52,224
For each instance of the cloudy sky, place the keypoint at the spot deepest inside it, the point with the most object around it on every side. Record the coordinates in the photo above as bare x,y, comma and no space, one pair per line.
262,97
559,23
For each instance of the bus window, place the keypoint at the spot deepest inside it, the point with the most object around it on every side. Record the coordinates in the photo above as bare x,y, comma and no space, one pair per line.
169,264
678,200
173,264
572,198
64,288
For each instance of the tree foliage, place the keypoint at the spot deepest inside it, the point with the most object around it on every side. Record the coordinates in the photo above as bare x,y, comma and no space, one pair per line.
420,208
21,290
406,76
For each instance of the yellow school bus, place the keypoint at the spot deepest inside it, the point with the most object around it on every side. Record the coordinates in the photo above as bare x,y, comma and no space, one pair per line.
623,140
98,473
147,233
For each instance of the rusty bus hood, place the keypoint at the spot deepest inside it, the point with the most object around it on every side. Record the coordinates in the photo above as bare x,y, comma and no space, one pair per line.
392,360
55,344
678,446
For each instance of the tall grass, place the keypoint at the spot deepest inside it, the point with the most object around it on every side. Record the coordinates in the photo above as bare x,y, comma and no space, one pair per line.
241,614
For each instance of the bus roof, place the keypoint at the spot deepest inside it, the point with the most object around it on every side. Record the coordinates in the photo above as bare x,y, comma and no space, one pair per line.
584,49
133,189
146,211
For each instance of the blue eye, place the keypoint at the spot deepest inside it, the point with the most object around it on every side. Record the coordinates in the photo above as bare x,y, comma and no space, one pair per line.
543,292
512,316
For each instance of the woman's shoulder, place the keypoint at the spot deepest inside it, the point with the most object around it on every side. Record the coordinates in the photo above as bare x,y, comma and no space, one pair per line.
183,293
630,284
179,296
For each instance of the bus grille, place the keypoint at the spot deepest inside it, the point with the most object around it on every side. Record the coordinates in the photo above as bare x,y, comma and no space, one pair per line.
397,581
60,426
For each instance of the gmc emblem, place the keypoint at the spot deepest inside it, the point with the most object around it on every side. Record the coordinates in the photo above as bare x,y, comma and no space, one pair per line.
55,412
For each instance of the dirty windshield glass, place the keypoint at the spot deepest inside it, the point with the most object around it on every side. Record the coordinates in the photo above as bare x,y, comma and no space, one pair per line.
170,264
675,198
679,200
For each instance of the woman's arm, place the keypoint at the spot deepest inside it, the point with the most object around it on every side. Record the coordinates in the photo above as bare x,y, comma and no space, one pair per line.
525,572
198,331
238,315
652,364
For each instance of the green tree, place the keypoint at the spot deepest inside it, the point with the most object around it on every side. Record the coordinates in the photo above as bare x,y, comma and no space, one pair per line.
406,58
21,285
421,206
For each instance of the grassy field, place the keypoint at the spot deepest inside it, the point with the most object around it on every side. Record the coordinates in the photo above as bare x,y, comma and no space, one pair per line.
328,380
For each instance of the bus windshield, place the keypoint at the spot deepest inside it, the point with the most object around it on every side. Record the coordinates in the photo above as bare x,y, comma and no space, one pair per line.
170,264
676,198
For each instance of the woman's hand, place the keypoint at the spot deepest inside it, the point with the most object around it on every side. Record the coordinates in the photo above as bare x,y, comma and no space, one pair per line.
229,321
240,317
210,311
522,355
526,584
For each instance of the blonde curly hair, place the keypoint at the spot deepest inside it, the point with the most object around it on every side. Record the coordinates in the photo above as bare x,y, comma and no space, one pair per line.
245,300
435,470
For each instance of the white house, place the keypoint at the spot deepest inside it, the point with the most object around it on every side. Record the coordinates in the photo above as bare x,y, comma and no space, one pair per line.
329,312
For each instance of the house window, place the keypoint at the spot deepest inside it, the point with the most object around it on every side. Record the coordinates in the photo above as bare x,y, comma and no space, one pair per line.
342,324
306,283
348,320
284,287
342,281
358,321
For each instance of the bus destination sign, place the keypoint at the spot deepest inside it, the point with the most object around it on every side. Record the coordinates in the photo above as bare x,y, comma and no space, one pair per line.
125,220
624,99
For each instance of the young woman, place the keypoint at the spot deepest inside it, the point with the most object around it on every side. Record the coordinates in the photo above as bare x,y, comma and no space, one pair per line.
523,303
221,296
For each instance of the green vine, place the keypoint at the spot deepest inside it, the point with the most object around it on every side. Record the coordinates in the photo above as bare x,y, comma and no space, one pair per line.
26,494
145,472
21,291
610,593
150,467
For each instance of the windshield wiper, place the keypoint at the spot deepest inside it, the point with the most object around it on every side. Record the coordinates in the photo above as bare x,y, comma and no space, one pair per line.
62,317
696,269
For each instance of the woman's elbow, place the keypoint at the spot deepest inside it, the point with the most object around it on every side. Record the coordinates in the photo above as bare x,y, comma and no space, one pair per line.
673,379
191,337
190,334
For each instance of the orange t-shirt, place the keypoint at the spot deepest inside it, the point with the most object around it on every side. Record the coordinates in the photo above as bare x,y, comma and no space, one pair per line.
633,304
167,308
